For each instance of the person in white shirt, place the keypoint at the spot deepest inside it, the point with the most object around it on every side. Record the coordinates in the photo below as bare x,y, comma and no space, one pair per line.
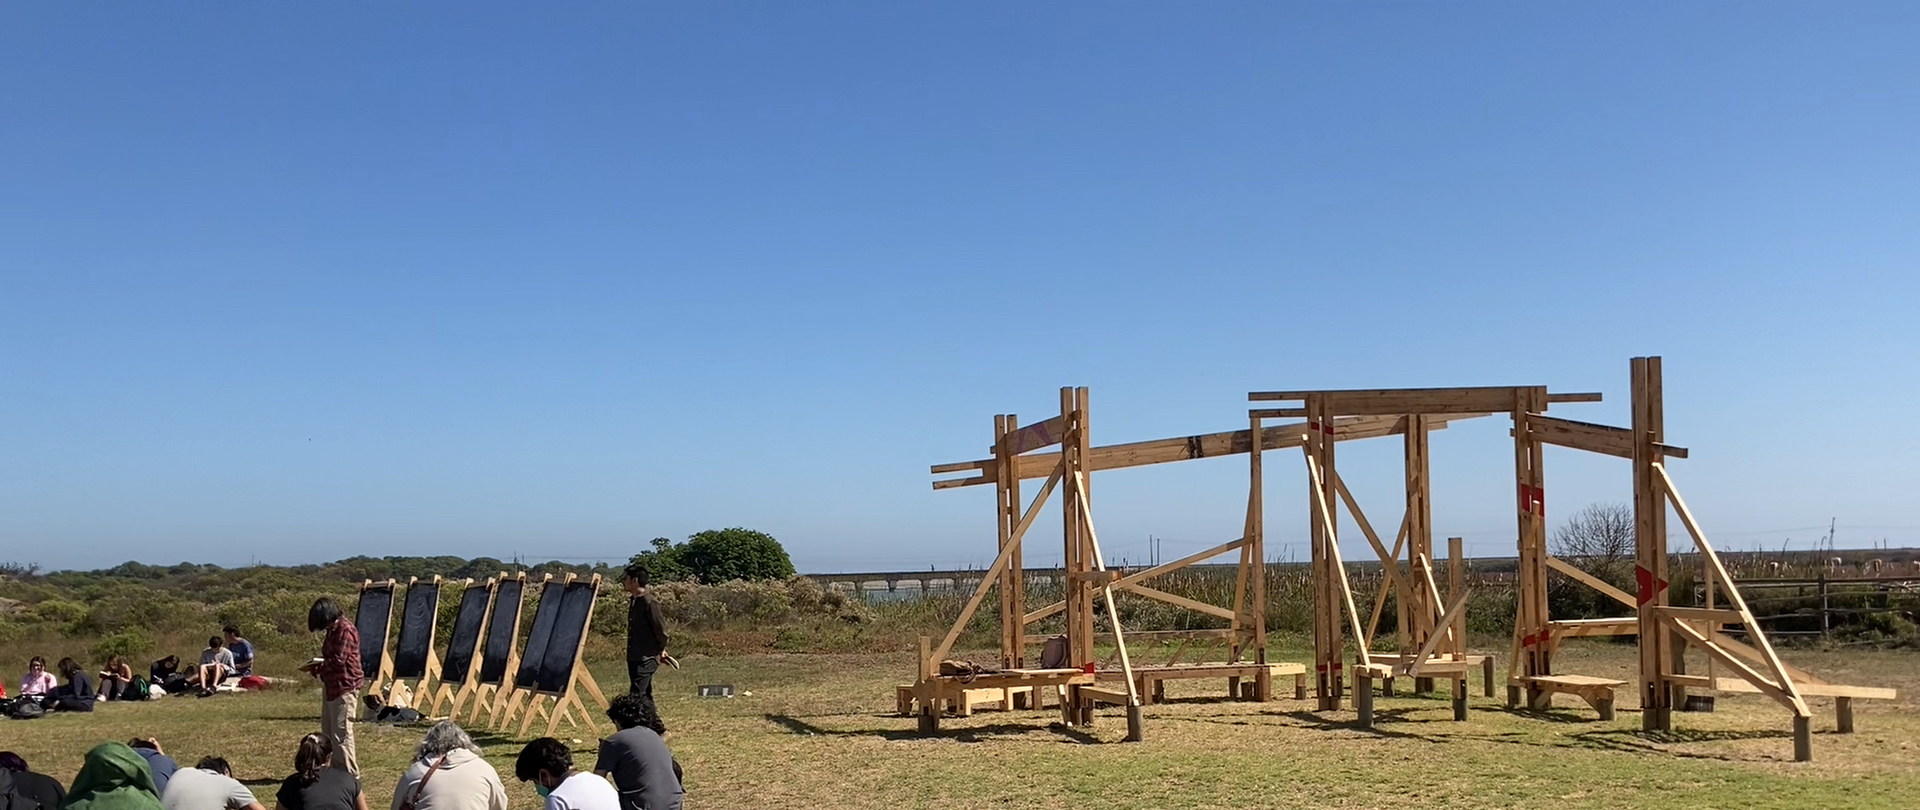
208,786
448,774
548,764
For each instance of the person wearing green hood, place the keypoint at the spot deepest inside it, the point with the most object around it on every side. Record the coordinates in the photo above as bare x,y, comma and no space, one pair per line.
113,778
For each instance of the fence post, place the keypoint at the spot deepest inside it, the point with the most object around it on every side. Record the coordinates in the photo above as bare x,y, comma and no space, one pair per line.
1825,616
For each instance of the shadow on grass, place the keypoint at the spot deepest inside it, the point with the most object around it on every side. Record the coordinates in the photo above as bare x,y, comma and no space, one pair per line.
967,734
1549,715
1651,742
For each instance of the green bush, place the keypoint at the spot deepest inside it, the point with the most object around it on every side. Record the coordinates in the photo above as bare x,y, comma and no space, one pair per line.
134,645
717,555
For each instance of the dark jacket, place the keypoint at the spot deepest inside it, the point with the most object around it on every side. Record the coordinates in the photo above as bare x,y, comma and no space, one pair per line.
646,629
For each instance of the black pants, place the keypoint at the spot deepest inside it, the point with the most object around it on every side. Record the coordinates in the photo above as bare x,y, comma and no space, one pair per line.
640,676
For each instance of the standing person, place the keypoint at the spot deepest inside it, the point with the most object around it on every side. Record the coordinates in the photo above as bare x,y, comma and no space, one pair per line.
208,786
637,759
114,679
646,633
318,782
113,778
36,786
448,774
548,764
160,766
340,677
38,682
241,649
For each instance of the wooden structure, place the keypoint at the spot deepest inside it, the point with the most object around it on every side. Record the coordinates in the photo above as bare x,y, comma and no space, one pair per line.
371,591
492,688
464,684
419,694
545,697
1015,457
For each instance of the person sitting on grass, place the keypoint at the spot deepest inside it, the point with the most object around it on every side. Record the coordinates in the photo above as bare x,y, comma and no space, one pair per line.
114,679
315,783
548,764
38,683
216,662
241,650
77,695
636,759
41,788
159,765
113,778
208,786
448,774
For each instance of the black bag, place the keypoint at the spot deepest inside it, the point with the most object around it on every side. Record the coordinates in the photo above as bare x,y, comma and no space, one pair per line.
1053,654
26,709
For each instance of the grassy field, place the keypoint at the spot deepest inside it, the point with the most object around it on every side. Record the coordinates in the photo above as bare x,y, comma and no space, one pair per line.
817,731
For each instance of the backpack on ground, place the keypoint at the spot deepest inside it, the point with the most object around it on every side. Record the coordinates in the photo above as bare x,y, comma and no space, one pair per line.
26,709
136,689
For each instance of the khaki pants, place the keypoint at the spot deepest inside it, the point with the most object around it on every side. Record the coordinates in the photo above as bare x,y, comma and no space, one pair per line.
336,723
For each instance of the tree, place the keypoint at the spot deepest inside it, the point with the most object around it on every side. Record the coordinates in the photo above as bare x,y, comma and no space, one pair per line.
1598,540
717,555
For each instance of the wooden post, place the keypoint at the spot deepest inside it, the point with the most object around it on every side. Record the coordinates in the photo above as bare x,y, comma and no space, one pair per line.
1650,544
1531,639
1802,738
1417,616
1254,555
1327,642
1363,696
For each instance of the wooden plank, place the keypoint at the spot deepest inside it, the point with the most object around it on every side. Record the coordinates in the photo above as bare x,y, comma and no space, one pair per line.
1487,399
1389,561
1592,396
1694,614
1433,639
1185,448
1113,614
1814,689
1603,439
1380,596
1049,610
1035,436
999,562
1744,650
1591,581
1705,549
1767,687
1334,560
1173,599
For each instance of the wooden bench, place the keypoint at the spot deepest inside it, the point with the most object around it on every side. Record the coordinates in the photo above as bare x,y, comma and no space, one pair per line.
1443,666
967,699
1843,696
1151,681
1597,692
930,696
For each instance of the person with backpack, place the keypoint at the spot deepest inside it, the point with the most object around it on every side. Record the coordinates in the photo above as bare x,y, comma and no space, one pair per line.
44,790
318,782
113,778
208,786
448,774
115,679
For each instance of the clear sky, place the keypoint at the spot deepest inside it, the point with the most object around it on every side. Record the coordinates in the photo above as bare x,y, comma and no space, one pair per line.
295,281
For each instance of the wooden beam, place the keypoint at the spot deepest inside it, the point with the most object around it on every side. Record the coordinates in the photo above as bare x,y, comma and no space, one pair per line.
1603,439
1433,639
1172,599
1137,576
1185,448
1591,581
1693,614
1488,399
1113,614
1771,689
1388,560
987,579
1035,436
1334,560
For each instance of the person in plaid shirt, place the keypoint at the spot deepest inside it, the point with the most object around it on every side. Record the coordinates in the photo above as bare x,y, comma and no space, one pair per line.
338,669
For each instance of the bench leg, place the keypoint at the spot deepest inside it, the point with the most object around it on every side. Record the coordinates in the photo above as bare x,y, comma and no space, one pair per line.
1233,688
1363,697
1025,700
1539,700
1486,674
962,707
929,717
1604,705
1263,686
1300,686
903,701
1386,687
1423,686
1843,714
1460,698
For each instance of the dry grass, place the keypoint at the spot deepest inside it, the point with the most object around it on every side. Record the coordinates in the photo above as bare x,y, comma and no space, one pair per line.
817,731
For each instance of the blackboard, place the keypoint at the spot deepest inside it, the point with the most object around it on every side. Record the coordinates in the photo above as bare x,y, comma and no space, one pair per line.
502,627
535,652
466,634
569,630
372,619
417,616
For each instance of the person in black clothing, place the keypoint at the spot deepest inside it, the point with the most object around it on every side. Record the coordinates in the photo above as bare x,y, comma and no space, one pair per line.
77,695
41,788
646,634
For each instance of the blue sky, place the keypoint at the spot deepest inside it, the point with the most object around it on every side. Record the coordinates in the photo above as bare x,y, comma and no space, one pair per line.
291,282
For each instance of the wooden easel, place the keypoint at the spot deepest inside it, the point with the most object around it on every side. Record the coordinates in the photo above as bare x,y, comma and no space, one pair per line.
384,672
417,695
465,682
482,690
508,692
567,699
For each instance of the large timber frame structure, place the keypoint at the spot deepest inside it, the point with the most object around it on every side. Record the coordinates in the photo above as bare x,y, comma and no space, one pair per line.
1664,631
